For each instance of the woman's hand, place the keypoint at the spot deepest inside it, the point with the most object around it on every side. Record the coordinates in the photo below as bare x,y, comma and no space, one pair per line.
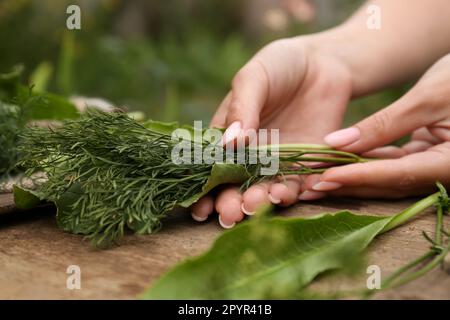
415,167
302,86
292,85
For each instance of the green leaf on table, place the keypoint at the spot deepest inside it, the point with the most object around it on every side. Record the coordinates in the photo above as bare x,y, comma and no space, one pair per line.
25,198
270,257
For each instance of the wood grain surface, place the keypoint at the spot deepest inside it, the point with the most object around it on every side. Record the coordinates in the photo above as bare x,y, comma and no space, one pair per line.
35,254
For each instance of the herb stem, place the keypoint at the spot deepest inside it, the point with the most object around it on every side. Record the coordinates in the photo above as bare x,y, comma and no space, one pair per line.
430,266
439,223
407,267
412,211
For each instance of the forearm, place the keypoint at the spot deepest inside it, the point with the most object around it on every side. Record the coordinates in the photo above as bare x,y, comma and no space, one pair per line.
413,35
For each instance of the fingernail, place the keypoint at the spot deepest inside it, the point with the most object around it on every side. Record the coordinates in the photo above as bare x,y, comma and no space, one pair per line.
342,137
249,213
232,132
311,195
326,186
226,226
198,218
273,199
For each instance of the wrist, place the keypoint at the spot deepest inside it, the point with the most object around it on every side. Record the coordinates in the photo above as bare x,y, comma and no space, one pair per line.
350,49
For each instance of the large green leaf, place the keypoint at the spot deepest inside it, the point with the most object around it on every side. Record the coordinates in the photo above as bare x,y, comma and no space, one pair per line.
270,257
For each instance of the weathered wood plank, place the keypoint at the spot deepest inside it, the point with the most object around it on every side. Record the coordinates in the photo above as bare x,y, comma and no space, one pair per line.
34,254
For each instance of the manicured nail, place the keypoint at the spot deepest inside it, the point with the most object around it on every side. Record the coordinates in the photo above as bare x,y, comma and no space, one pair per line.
232,132
249,213
343,137
273,199
198,218
226,226
311,195
326,186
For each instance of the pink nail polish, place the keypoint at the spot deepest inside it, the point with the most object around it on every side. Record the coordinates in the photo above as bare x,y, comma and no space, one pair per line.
311,195
226,226
343,137
232,132
326,186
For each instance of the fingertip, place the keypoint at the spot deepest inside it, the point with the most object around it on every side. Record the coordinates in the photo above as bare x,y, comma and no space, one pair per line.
245,211
311,181
202,208
228,205
226,225
274,199
255,197
285,193
311,195
198,218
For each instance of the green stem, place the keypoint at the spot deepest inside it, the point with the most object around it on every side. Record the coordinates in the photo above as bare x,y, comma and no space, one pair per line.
327,159
407,267
412,211
302,149
294,147
430,266
439,223
301,171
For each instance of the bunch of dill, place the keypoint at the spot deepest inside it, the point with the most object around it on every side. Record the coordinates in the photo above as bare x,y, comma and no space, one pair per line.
11,126
109,172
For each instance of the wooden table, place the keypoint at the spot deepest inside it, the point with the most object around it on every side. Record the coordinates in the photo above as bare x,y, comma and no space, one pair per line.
34,253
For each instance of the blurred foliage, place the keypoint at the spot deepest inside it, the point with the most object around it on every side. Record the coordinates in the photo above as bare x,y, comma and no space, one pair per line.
172,59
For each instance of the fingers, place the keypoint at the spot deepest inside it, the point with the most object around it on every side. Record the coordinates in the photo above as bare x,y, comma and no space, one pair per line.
231,205
413,174
254,197
250,89
416,146
388,152
228,206
387,125
285,193
202,208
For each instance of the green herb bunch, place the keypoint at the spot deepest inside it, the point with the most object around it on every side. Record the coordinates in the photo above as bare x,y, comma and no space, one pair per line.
107,172
11,125
19,104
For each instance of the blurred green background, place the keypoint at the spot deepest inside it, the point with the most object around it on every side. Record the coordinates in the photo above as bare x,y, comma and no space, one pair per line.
172,59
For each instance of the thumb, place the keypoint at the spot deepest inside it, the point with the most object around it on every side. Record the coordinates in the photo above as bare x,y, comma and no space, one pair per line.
387,125
249,93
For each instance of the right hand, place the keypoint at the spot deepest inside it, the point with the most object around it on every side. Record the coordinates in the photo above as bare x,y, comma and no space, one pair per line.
295,85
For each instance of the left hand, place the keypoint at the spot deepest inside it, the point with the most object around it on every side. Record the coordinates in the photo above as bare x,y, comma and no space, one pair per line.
413,168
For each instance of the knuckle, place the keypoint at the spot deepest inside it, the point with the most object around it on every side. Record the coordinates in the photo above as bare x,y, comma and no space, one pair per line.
239,78
380,122
234,108
407,182
283,44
